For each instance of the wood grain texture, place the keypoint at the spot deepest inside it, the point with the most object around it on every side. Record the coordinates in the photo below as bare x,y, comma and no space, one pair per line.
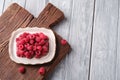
80,40
48,17
117,72
104,46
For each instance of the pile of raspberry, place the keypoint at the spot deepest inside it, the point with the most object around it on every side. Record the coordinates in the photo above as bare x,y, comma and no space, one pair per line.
32,45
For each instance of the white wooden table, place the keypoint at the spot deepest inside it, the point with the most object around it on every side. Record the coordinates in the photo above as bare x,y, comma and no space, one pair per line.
92,27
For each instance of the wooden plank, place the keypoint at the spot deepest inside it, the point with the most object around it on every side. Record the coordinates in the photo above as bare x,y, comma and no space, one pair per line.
35,7
104,46
10,20
77,63
117,72
62,29
1,6
49,16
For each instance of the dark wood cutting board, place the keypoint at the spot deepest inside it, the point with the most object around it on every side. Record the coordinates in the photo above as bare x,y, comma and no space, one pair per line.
15,17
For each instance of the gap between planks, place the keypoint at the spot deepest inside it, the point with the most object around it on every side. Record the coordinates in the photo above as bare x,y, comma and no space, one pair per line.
93,20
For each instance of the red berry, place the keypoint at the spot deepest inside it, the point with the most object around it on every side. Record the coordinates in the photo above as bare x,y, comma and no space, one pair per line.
45,48
47,44
41,35
29,47
20,53
38,39
41,70
34,48
28,55
31,41
22,41
22,69
37,54
26,40
63,42
25,34
44,53
42,42
20,46
31,36
17,39
39,48
32,53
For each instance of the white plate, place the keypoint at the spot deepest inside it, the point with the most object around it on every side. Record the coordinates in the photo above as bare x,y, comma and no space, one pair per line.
33,61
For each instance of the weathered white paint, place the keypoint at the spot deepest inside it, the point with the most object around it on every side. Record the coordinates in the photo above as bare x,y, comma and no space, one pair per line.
77,63
77,30
118,50
35,6
105,33
9,2
1,6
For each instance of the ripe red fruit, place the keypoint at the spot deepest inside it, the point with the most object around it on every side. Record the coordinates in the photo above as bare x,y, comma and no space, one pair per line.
31,41
39,48
22,69
41,70
20,46
20,53
42,42
29,47
32,45
45,48
28,55
34,48
63,42
37,54
38,39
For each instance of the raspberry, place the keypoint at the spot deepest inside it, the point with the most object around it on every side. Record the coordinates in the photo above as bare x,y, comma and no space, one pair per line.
34,48
17,39
41,35
25,34
22,41
31,53
22,70
31,36
29,47
45,37
31,41
44,53
45,48
39,48
38,39
42,42
41,70
63,42
20,53
20,46
28,55
32,45
26,39
47,44
37,54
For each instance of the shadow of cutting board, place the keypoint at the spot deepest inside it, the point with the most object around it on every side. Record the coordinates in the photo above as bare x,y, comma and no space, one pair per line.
15,17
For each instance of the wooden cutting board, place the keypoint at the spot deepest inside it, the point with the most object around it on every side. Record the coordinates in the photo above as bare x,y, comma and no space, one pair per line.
15,17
